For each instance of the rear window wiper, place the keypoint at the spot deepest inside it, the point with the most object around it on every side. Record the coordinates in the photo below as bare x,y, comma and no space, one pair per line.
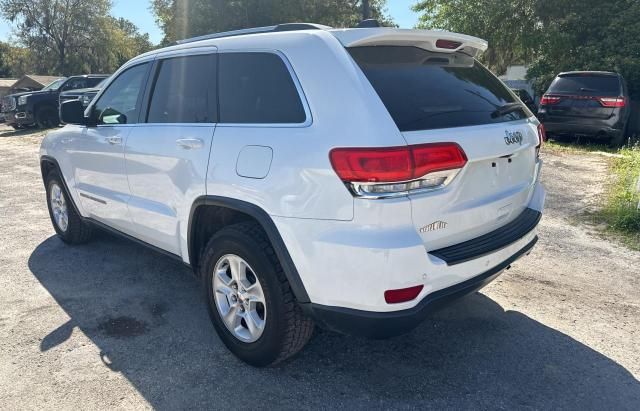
506,109
587,89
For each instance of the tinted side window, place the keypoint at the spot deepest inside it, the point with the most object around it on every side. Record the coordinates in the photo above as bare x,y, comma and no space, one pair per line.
257,88
119,103
423,90
185,91
93,81
75,83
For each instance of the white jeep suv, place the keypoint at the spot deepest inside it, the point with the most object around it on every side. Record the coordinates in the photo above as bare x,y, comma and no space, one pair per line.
352,178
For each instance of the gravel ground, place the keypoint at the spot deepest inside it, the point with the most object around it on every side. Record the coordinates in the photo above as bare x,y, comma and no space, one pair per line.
113,325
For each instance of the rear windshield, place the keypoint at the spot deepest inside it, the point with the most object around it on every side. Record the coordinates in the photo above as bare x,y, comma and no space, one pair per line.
586,84
424,90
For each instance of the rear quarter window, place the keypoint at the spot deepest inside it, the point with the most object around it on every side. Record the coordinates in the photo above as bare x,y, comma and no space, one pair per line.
257,88
586,84
423,90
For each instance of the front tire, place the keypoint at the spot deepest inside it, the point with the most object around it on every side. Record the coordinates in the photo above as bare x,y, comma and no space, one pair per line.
47,117
249,298
67,223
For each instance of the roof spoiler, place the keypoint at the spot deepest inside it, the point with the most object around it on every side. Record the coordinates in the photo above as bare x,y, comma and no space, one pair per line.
438,41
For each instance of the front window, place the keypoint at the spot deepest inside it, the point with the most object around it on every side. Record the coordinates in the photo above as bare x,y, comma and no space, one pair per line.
55,85
119,104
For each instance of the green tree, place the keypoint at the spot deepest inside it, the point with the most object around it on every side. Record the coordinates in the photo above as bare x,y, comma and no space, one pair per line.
588,35
72,36
55,29
550,36
508,25
181,19
5,66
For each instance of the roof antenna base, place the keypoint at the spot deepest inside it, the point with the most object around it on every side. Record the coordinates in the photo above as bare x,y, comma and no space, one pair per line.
368,23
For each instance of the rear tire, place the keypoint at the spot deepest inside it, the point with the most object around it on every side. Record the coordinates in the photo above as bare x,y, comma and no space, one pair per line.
285,329
67,223
47,117
617,141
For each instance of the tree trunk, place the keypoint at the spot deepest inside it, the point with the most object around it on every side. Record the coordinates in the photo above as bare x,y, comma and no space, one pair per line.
366,10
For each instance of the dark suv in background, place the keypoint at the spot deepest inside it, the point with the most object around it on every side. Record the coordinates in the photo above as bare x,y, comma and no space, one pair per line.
41,107
586,103
85,95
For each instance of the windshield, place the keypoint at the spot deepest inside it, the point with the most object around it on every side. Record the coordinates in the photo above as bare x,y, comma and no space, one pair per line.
55,85
423,90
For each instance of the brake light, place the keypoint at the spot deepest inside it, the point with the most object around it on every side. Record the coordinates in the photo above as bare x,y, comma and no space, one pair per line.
612,101
381,172
549,100
447,44
402,295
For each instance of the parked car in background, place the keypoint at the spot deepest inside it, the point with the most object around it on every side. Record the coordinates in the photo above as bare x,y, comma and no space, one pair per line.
526,98
589,103
41,107
359,208
85,95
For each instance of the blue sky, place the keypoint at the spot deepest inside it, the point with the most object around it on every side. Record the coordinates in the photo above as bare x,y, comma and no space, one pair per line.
138,12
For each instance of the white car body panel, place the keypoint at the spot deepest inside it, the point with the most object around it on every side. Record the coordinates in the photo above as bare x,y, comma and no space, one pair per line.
166,167
347,250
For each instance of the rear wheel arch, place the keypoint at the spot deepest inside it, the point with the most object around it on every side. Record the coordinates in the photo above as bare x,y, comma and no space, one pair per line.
209,214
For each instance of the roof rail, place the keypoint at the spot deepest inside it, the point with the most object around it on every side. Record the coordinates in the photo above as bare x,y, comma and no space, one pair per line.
256,30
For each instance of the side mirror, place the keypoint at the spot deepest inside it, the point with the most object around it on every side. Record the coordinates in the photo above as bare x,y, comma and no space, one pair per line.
72,112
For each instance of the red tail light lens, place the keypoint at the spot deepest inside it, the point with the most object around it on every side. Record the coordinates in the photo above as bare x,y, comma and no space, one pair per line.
612,101
402,295
447,44
429,158
549,100
372,165
395,164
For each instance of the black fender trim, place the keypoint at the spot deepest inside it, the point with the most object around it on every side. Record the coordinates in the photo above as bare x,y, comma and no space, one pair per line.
264,219
56,166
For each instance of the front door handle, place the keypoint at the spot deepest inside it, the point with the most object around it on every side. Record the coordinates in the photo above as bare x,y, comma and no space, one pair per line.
114,140
190,143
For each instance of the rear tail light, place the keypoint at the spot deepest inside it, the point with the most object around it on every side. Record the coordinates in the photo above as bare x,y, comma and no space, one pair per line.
447,44
612,101
392,171
549,100
402,295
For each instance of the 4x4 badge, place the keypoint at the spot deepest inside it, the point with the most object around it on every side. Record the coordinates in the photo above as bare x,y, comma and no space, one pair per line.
436,225
513,137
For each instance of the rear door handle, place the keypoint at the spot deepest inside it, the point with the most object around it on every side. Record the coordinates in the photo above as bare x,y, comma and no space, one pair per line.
190,143
114,140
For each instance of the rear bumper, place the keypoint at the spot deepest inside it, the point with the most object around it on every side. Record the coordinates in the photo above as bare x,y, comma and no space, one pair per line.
592,128
388,324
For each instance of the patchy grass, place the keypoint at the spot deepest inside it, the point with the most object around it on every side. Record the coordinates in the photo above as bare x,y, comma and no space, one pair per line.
620,210
577,147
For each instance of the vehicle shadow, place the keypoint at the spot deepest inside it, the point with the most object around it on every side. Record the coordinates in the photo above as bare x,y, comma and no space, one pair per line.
10,132
145,313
